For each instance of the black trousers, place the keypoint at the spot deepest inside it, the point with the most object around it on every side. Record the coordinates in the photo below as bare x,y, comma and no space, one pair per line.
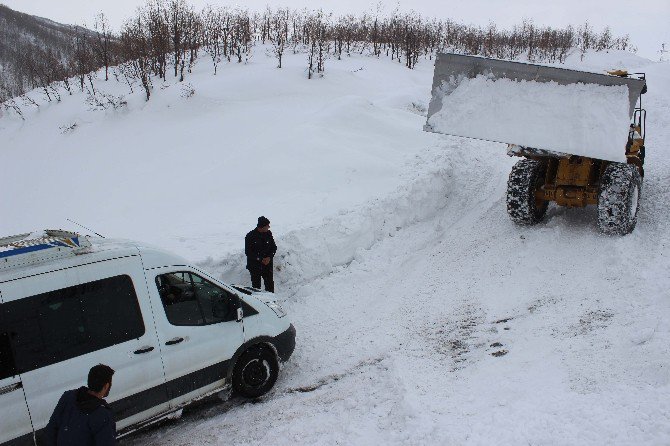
265,272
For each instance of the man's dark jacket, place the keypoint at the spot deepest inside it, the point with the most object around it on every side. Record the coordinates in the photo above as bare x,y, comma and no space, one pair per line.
257,246
80,419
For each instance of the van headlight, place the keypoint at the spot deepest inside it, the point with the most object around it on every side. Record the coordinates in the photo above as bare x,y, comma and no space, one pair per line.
274,306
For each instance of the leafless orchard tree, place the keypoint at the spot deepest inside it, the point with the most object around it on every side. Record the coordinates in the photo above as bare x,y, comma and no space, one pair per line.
278,32
310,32
175,16
192,42
102,43
136,48
84,59
213,31
241,38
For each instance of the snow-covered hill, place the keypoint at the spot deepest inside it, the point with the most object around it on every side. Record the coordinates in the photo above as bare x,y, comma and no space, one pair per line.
398,263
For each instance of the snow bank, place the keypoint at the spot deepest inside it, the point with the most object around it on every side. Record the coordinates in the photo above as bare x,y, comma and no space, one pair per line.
581,119
309,253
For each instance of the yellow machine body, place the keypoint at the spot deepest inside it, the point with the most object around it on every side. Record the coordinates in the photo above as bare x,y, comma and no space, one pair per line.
571,181
574,181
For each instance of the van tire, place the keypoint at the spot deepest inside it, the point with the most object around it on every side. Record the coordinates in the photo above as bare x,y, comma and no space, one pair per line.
255,372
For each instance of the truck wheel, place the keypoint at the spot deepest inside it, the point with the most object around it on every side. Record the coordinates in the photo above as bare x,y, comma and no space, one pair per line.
522,206
255,372
619,199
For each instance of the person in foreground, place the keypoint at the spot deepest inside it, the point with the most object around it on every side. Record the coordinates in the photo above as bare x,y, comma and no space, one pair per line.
260,248
82,416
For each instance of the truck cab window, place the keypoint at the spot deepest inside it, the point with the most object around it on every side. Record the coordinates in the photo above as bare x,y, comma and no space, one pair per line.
190,300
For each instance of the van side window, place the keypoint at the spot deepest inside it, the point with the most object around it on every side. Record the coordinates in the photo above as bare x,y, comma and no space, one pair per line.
58,325
7,367
188,299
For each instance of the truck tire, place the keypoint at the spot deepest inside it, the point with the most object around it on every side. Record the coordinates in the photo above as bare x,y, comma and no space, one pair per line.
619,198
525,178
255,372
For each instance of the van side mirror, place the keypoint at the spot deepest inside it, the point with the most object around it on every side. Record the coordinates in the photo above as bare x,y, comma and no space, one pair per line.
240,313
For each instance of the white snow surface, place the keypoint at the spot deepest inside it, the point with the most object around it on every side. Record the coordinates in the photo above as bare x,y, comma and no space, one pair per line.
580,119
397,262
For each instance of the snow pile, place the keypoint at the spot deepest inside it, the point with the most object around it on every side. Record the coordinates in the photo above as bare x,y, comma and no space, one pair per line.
580,119
603,61
308,253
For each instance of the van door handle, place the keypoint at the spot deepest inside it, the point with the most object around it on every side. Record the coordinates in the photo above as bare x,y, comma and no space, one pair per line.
10,388
143,350
174,341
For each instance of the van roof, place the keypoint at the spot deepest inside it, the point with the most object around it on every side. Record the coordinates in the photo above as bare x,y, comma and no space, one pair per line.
37,253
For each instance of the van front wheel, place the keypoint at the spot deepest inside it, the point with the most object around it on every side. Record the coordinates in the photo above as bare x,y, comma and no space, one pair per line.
255,372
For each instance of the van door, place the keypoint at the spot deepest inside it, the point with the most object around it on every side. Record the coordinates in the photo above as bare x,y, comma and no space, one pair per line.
15,426
78,317
197,328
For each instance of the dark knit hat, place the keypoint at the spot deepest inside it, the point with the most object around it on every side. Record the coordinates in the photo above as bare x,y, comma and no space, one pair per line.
262,222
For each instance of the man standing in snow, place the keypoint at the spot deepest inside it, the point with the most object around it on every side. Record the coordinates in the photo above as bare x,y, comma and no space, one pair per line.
82,417
260,248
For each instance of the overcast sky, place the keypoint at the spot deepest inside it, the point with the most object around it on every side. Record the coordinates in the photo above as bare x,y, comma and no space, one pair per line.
646,21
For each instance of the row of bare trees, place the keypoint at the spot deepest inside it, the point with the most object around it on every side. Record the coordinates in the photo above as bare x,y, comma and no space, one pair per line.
165,37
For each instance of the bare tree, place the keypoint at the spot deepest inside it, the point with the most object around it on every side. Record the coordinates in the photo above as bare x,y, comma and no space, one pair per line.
586,39
212,34
322,41
241,35
84,59
102,44
278,32
136,50
192,32
175,20
153,16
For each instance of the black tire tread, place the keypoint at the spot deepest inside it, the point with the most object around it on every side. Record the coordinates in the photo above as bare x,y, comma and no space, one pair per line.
255,352
616,198
521,186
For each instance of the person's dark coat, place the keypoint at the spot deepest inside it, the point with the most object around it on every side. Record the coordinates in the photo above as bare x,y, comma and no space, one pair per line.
80,419
257,246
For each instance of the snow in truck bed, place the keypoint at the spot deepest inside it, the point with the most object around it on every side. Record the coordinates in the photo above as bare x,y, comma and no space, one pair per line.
580,119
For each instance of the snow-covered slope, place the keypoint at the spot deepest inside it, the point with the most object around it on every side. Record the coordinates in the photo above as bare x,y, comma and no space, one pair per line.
399,265
193,173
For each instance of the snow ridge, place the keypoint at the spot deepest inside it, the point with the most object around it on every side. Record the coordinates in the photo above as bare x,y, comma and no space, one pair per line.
309,253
